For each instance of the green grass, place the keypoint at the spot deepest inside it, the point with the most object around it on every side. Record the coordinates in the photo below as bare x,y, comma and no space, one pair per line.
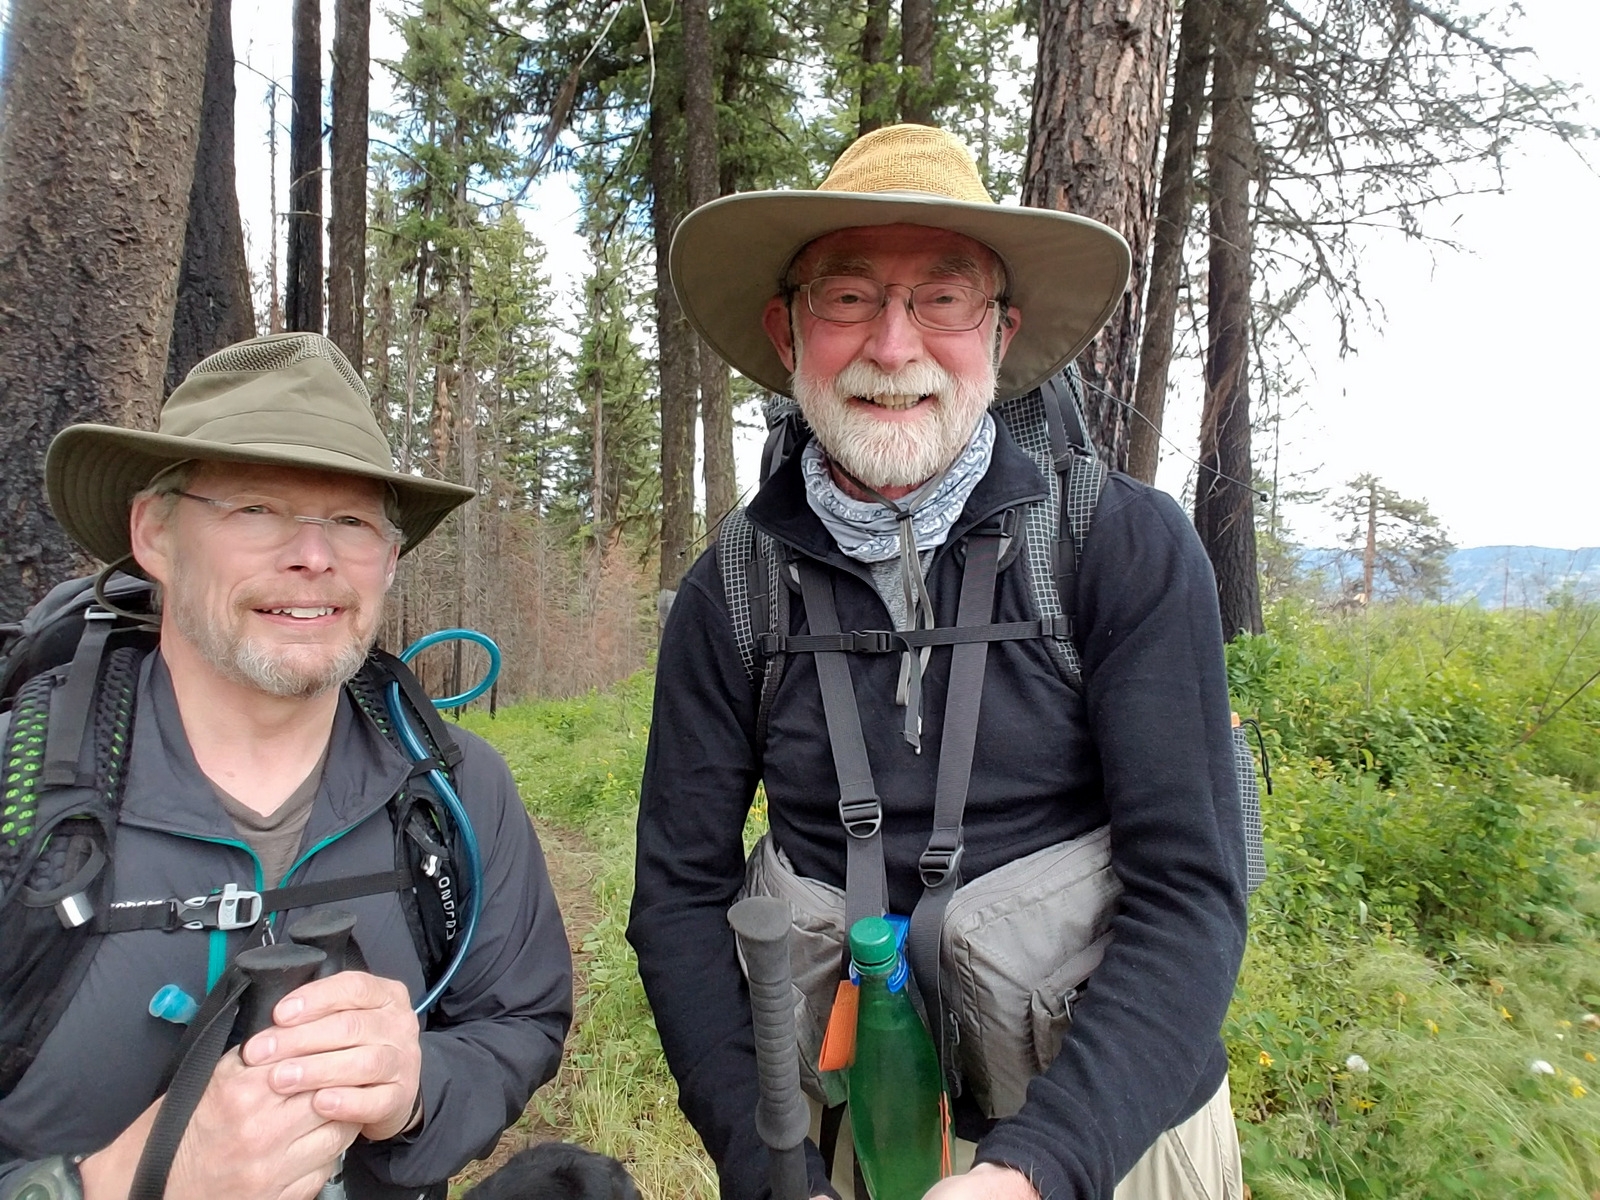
1433,909
577,765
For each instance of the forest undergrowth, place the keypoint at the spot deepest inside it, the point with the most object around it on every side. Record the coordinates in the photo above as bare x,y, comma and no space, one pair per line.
1416,1015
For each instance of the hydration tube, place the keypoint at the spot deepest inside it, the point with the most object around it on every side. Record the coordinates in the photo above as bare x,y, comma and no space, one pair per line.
441,784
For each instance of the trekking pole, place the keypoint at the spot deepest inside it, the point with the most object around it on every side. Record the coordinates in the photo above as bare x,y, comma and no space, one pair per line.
239,1007
329,931
761,923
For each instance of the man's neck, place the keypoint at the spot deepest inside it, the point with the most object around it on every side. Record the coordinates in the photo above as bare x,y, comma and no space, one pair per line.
256,747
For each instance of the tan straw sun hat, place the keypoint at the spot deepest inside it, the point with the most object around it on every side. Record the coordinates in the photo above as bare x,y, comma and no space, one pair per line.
728,258
291,399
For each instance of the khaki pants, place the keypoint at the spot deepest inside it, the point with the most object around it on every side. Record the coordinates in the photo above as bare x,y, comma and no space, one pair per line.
1197,1160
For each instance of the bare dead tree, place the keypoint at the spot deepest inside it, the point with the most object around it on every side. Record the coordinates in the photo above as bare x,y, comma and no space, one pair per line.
303,287
347,178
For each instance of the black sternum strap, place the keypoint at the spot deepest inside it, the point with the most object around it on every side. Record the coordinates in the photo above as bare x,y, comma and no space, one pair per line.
232,908
866,890
940,865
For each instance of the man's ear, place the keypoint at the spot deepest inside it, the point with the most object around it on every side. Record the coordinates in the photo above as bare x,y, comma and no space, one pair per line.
150,538
775,320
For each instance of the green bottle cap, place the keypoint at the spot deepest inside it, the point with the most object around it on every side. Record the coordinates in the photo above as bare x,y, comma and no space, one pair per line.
872,945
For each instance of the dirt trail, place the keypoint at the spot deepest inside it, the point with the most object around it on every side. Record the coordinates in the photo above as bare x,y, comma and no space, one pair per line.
574,864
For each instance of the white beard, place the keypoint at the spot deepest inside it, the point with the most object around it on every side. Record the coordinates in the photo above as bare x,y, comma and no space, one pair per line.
892,453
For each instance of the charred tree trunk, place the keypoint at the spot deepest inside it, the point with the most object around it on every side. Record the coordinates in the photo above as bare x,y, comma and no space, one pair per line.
1097,104
873,97
1166,251
916,61
675,340
98,127
700,119
213,306
302,300
1224,508
347,179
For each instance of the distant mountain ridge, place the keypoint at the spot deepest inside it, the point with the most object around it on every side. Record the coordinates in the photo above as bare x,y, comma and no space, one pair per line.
1494,576
1522,576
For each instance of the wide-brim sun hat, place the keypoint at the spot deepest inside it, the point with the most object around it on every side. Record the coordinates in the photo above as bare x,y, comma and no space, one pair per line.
289,399
1066,273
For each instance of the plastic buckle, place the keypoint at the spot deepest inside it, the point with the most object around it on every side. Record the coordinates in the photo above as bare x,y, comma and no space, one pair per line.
862,818
228,916
770,644
95,613
937,863
868,641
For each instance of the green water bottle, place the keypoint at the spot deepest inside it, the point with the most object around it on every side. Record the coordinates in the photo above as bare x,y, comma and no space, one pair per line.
894,1082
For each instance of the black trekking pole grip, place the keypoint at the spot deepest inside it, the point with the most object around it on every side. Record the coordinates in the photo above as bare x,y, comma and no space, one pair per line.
274,972
761,924
330,931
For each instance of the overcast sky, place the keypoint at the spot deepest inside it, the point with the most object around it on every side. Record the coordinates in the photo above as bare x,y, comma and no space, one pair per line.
1476,392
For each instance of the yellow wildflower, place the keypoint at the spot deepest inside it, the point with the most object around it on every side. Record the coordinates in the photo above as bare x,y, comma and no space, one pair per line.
1433,1026
1588,1056
1265,1059
1578,1090
1505,1013
1364,1105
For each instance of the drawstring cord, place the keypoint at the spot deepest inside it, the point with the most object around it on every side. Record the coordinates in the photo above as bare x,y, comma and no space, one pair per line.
914,588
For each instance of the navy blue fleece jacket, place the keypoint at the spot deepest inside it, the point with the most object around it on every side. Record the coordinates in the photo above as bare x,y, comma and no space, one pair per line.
1143,743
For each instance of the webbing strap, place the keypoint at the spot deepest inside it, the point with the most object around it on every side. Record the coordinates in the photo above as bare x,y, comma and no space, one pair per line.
197,1057
207,912
888,641
940,865
866,889
72,709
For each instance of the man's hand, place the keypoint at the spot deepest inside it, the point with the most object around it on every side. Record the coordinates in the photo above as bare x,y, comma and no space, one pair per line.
349,1042
245,1141
984,1182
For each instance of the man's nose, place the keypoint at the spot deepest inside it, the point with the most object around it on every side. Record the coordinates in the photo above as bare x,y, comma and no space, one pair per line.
310,547
896,338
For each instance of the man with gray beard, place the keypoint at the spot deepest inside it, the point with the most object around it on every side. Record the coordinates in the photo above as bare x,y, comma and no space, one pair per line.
261,782
896,304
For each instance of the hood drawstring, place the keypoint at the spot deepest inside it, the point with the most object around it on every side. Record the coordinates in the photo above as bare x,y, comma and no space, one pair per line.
914,587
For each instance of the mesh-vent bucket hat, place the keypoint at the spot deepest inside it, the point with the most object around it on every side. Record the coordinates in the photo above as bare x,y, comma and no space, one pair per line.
1066,272
290,399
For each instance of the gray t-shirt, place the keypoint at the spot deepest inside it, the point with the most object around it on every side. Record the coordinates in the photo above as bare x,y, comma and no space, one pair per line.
275,837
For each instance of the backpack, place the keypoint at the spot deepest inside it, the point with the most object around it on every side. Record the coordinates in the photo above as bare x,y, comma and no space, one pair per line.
68,679
758,574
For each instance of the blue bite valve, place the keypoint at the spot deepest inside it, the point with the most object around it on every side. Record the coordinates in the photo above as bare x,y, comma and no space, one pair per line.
172,1003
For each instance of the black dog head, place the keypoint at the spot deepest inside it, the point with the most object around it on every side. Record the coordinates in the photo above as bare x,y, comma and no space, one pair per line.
557,1171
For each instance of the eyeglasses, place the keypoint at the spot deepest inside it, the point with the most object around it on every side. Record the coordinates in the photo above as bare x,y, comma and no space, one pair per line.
262,523
852,300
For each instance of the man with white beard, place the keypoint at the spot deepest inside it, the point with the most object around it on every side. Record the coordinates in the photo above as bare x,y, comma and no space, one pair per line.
896,303
261,781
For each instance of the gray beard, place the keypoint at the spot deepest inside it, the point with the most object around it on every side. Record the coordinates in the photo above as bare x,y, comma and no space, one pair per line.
238,659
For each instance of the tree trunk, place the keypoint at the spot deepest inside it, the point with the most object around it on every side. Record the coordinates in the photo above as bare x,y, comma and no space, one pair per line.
873,96
700,117
1369,556
470,570
1166,252
347,179
98,125
916,61
1092,141
303,289
675,340
1224,509
213,306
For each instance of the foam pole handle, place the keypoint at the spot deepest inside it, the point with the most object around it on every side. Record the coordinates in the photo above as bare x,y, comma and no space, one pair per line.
761,923
274,972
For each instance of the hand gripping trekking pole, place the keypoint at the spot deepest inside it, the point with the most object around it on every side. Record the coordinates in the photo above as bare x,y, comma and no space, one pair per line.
761,924
241,1002
329,931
